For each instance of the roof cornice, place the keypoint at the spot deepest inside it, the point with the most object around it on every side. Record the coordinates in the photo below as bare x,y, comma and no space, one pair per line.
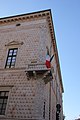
25,16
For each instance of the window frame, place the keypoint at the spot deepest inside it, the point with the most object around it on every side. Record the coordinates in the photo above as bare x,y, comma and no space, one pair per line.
3,103
11,58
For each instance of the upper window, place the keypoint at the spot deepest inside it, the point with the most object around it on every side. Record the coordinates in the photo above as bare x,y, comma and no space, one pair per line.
11,58
3,101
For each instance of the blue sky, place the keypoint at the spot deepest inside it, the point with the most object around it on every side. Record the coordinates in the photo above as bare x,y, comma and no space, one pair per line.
66,18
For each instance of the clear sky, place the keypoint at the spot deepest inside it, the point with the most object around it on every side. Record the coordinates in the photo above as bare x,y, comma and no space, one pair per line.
66,18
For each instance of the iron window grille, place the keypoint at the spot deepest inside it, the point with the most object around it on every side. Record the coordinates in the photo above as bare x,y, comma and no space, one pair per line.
3,101
11,58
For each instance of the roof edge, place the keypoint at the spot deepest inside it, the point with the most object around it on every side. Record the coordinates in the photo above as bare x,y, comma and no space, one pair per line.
31,13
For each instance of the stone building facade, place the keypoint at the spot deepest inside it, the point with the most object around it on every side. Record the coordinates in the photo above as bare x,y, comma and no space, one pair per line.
26,90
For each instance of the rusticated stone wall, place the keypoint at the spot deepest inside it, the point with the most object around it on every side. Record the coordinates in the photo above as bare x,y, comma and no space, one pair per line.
27,94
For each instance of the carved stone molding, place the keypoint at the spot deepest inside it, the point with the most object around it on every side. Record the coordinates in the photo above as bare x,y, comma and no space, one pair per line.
14,43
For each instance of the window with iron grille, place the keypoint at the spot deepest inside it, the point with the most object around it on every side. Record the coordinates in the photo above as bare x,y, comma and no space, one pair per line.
11,58
3,101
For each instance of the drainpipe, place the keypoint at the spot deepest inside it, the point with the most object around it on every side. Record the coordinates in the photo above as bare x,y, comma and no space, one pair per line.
50,101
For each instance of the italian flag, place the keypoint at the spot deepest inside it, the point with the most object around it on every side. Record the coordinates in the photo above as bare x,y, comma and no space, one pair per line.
48,64
48,59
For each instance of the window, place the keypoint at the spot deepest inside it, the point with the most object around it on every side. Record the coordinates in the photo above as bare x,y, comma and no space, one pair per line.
3,101
11,58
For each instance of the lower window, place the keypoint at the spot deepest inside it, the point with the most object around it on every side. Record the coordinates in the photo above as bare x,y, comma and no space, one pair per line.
3,101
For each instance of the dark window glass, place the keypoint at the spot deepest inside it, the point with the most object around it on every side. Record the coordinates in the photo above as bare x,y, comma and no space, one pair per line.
3,101
11,58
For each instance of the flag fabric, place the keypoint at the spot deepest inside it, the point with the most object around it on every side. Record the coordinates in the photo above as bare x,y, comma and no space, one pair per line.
48,59
48,64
